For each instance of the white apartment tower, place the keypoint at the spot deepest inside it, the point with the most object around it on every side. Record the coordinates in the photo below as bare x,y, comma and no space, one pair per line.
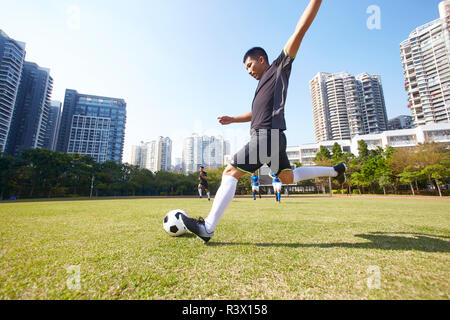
154,156
320,107
345,105
204,151
426,67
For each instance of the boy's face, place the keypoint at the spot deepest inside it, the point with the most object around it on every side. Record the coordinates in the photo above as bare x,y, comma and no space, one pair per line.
256,67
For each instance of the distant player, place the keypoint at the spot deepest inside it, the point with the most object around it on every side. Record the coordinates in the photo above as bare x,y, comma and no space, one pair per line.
203,179
277,185
267,127
255,185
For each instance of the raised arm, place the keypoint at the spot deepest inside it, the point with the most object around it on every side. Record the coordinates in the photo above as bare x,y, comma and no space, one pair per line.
294,42
225,120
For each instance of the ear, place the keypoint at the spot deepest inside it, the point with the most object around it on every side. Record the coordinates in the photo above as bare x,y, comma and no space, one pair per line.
262,60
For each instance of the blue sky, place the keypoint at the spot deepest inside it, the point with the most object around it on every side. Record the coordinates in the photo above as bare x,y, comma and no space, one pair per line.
178,64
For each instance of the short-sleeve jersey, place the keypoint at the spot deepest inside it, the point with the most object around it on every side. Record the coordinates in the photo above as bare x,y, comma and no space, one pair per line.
275,179
255,181
203,178
270,97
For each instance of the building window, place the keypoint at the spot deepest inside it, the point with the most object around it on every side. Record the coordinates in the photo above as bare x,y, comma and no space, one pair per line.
402,140
437,136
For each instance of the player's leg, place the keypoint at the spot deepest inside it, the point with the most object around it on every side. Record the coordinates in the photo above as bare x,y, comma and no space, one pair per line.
278,191
224,196
204,229
200,191
254,193
307,173
208,193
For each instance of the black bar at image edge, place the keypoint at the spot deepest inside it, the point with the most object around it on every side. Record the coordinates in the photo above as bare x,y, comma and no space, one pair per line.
206,309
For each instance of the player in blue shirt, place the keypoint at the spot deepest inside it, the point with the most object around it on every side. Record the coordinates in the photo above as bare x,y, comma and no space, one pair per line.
277,184
255,185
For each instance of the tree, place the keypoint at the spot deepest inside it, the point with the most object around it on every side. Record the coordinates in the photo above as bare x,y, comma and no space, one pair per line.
398,161
323,155
409,176
6,173
337,154
437,172
359,180
363,150
385,181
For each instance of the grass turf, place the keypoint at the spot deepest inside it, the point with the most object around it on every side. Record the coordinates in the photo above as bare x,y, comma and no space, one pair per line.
303,248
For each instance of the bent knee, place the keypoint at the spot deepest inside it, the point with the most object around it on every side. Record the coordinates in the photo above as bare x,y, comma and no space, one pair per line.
232,171
286,177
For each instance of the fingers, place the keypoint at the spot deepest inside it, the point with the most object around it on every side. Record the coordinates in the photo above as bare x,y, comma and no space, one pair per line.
224,120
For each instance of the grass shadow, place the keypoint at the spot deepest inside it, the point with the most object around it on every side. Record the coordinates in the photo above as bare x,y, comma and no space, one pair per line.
378,240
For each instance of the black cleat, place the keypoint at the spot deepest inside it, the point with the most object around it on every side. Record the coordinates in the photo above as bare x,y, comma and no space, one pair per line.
341,169
197,227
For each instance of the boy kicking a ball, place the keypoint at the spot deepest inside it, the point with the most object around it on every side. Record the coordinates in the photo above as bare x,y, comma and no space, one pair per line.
268,141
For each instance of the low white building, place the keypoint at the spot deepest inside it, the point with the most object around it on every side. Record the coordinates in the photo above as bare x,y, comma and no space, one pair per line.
439,133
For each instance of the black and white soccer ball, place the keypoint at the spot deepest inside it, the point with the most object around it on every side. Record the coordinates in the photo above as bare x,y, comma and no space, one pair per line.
173,224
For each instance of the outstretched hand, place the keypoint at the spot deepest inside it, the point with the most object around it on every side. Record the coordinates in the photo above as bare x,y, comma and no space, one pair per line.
225,120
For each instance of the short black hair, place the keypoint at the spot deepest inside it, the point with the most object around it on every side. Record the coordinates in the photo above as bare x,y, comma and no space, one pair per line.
255,53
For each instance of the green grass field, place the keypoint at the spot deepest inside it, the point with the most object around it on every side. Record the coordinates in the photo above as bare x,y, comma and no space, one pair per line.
303,248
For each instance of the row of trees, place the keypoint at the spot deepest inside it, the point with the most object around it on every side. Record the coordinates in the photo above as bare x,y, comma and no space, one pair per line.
40,173
420,168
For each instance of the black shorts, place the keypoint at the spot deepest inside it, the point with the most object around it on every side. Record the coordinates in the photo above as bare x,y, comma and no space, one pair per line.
204,184
265,147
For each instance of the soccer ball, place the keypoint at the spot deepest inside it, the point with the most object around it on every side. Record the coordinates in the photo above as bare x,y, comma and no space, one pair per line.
173,224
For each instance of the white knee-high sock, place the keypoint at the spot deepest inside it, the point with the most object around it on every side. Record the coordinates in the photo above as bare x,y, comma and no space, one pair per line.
306,173
223,198
200,192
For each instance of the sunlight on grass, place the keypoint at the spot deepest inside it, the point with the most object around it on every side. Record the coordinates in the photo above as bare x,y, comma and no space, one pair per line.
307,248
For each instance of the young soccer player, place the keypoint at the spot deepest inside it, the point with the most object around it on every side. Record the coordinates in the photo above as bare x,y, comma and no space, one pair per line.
277,185
203,179
267,129
255,185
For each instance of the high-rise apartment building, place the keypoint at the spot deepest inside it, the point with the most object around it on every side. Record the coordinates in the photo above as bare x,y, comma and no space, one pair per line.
401,122
154,156
29,124
92,125
12,57
204,151
138,155
54,118
426,67
345,105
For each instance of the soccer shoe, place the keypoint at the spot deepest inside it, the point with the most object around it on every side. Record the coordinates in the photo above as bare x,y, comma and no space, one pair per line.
341,169
197,227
